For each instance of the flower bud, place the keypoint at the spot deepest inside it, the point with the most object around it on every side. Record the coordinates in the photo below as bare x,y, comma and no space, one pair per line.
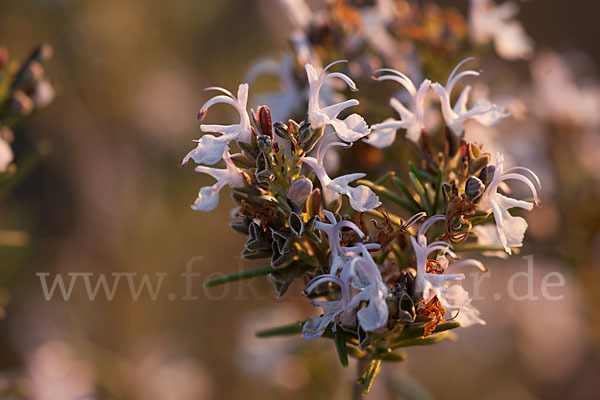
281,130
474,188
7,134
487,174
20,104
476,158
293,127
299,191
42,53
264,121
305,132
264,144
43,94
3,57
32,74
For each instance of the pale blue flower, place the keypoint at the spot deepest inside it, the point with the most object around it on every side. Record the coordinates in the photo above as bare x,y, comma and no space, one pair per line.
208,196
210,149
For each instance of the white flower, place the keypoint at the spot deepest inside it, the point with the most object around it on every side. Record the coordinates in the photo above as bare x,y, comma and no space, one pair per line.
413,120
559,97
290,98
482,111
352,127
488,21
362,273
298,12
487,235
210,149
6,155
511,230
434,283
361,197
375,21
358,271
208,197
316,325
333,228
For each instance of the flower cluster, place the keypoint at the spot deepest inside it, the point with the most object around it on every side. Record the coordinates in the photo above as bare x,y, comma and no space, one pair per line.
322,128
23,89
413,120
383,280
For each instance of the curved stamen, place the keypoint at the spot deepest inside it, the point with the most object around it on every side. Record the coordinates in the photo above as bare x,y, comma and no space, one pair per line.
220,89
458,77
341,76
533,174
523,179
329,278
444,249
368,246
412,220
331,65
367,266
324,146
428,222
464,263
215,100
393,71
408,85
337,229
457,67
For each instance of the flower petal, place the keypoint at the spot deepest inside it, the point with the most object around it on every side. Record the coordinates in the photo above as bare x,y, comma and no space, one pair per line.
6,155
382,137
375,314
208,198
351,129
209,151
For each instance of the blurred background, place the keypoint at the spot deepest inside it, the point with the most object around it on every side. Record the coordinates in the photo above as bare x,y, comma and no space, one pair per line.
109,198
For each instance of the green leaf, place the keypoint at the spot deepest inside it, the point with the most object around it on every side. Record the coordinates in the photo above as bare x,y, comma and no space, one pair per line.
392,357
424,341
414,332
340,346
236,276
394,219
355,352
282,278
240,226
257,254
383,179
438,189
421,191
373,369
380,190
285,330
416,206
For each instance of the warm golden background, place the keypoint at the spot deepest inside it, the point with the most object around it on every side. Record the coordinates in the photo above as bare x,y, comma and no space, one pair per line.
110,198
